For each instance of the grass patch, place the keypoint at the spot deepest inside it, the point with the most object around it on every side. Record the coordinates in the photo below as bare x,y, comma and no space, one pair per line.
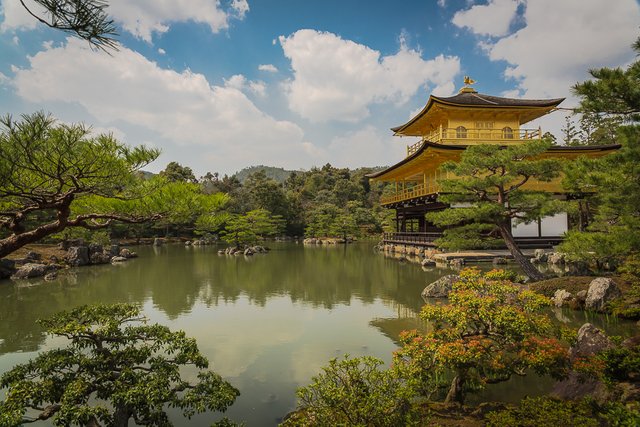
572,284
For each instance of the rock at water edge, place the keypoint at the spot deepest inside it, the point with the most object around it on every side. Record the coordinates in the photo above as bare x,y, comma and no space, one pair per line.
441,287
601,291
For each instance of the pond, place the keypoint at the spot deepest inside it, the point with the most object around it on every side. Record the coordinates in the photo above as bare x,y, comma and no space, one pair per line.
267,323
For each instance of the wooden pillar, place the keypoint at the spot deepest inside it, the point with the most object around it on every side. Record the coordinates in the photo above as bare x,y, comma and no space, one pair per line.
422,224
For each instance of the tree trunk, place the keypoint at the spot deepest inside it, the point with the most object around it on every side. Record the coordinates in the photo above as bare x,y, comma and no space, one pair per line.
16,241
121,417
456,392
528,268
93,422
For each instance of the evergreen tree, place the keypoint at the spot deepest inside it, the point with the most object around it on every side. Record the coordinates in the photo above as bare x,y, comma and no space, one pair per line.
250,227
116,368
175,172
85,19
71,179
490,185
615,231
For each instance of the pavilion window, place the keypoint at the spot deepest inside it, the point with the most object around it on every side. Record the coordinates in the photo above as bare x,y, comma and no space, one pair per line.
461,132
507,133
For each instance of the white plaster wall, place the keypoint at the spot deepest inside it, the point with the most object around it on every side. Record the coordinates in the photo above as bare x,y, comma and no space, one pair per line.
555,225
550,226
524,230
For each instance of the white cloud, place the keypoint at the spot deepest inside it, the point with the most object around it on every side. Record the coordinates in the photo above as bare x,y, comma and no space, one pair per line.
117,133
268,67
492,19
15,16
241,7
181,108
442,3
337,79
15,40
561,40
161,51
240,82
366,147
143,18
237,81
258,87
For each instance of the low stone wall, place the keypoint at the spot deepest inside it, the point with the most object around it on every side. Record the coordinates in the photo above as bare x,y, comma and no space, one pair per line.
418,251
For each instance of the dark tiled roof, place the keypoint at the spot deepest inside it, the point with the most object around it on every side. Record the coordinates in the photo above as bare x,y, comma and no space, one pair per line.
471,98
479,99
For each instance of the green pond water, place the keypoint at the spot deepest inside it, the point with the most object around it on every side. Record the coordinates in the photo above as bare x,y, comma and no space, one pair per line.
267,323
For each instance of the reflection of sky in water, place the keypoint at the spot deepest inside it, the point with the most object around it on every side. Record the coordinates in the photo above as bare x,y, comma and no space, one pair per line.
268,351
267,324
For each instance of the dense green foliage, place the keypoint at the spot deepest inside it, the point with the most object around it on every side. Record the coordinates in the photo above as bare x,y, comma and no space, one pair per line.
545,411
490,330
621,363
614,95
322,202
353,392
115,368
251,227
279,175
488,192
176,172
55,176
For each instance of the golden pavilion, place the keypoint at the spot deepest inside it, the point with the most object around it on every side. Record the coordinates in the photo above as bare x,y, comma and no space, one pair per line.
446,126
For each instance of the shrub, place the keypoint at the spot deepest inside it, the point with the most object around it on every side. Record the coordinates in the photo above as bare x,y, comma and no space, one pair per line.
354,392
115,368
546,411
490,330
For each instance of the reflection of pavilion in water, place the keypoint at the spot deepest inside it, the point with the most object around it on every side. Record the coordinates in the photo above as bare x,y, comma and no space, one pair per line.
407,319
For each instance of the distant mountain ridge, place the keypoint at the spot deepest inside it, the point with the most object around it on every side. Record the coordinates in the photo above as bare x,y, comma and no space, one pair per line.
277,174
280,174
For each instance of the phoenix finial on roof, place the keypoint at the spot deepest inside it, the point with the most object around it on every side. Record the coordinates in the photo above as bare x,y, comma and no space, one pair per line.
468,81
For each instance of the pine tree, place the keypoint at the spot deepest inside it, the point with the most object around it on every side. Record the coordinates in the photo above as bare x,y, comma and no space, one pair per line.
490,183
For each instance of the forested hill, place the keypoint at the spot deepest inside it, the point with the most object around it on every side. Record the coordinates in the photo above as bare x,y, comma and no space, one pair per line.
277,174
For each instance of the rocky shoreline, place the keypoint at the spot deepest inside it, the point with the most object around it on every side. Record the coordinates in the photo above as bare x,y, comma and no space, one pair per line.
46,260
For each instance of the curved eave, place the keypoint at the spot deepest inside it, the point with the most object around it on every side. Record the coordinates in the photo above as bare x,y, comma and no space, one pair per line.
578,150
417,154
541,108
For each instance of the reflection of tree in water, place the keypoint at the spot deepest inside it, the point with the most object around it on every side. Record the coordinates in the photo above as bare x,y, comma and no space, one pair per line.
25,301
175,278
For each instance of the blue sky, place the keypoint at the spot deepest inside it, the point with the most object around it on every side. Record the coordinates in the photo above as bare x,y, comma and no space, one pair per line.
220,85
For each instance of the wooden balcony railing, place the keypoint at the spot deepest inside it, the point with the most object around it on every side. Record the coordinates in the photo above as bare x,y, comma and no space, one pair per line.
432,186
427,239
418,238
418,190
475,136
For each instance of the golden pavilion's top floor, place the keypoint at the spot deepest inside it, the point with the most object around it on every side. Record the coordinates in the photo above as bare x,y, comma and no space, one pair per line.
470,118
447,125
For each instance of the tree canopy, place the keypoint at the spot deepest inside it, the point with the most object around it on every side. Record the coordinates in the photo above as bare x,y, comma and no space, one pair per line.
68,177
489,192
116,368
490,330
250,227
615,179
175,172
